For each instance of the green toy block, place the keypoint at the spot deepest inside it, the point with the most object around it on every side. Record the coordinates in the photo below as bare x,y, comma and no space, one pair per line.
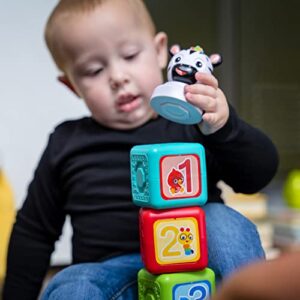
198,285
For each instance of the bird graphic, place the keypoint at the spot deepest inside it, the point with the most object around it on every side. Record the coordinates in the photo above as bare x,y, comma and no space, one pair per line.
175,181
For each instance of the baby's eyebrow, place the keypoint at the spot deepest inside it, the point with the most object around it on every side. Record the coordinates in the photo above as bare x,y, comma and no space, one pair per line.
88,61
83,59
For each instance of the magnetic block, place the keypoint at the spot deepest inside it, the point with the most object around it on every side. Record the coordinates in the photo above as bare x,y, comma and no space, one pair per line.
179,286
168,175
173,240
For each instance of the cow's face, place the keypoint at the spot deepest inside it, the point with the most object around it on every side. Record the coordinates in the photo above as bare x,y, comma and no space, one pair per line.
185,63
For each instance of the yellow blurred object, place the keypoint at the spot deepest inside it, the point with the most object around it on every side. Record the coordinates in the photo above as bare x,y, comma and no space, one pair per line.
7,217
252,206
291,189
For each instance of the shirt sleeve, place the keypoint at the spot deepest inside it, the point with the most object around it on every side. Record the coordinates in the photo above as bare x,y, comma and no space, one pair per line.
244,157
38,225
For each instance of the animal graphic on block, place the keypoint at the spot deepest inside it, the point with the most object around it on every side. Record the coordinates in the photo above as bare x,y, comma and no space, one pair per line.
168,99
185,238
175,181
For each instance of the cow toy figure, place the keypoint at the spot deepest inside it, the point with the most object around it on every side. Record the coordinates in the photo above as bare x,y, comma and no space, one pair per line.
168,99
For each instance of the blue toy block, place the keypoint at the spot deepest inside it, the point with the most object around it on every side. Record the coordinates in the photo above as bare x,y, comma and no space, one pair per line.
168,175
176,286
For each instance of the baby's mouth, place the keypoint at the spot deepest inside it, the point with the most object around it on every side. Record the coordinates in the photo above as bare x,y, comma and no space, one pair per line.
128,103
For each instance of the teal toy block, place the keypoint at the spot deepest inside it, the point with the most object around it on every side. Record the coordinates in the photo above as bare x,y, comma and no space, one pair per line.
176,286
168,175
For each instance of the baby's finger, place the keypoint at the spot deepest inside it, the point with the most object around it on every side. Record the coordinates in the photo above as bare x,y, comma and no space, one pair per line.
205,103
207,79
210,118
201,89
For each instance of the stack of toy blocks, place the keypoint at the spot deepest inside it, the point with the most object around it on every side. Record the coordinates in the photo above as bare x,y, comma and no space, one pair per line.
169,183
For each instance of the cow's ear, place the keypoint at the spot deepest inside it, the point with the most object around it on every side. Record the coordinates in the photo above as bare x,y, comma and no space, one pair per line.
215,59
174,50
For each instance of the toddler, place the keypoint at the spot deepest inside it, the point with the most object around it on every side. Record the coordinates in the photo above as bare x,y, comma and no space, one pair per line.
110,55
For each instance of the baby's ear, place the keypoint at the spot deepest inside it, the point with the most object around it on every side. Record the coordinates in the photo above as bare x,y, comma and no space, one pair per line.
65,81
174,49
160,42
215,59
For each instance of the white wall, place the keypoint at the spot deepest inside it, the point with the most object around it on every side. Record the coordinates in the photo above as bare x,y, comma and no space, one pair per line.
32,102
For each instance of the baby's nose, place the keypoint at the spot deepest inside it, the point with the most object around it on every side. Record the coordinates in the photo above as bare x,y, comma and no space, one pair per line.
118,77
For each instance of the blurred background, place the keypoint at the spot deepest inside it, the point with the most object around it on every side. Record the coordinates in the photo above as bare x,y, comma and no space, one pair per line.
260,45
259,42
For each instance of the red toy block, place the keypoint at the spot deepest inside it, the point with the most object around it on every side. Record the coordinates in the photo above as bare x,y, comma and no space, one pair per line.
173,240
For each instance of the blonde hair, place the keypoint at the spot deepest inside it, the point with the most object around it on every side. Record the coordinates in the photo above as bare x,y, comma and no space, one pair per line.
71,8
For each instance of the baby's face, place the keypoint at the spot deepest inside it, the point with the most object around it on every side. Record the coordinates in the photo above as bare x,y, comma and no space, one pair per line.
114,63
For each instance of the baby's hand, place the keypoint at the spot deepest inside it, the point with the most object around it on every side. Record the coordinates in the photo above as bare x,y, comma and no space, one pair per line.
211,100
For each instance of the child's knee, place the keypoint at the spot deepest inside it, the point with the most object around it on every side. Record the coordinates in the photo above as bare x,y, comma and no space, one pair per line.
221,218
78,289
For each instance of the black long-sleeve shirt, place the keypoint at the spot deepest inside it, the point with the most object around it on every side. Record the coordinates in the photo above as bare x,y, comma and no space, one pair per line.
84,172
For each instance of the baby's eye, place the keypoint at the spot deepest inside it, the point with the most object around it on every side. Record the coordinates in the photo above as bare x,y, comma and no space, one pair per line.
94,72
131,56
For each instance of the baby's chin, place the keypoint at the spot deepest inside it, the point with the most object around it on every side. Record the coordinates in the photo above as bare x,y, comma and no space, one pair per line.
129,124
139,122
